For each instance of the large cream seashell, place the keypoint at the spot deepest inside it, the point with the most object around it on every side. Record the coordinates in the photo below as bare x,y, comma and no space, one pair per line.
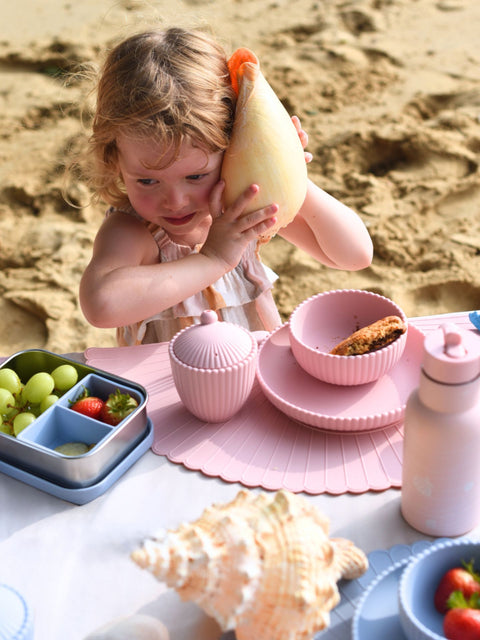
262,564
265,148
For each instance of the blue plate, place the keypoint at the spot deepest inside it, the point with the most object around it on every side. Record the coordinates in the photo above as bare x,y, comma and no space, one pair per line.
376,617
355,598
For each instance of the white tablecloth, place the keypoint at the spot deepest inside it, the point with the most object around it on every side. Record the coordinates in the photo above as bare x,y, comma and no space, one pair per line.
72,562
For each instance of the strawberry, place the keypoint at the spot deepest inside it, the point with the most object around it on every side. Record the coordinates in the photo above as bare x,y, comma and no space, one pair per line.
462,579
462,621
90,406
117,407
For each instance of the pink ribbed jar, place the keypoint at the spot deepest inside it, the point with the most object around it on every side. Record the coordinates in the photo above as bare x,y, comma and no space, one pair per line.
213,366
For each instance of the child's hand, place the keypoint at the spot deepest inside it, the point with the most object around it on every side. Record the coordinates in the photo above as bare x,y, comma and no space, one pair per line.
232,229
303,137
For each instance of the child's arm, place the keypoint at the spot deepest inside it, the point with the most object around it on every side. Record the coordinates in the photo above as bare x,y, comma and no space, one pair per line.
124,282
330,231
325,228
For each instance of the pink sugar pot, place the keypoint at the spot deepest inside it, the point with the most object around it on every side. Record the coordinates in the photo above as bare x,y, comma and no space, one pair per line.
441,469
213,366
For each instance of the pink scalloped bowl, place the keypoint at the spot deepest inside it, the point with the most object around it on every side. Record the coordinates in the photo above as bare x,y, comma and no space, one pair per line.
322,321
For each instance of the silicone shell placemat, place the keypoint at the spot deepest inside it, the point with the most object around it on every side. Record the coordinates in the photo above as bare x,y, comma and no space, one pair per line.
261,446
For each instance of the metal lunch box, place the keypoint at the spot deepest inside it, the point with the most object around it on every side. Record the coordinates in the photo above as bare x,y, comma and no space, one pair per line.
32,452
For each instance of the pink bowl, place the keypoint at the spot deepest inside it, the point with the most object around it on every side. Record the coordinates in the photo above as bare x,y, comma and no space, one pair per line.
322,321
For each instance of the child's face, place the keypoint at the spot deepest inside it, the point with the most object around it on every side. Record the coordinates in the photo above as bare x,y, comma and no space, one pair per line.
177,197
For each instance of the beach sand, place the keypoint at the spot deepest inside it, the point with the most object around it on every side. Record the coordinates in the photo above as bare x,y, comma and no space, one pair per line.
388,90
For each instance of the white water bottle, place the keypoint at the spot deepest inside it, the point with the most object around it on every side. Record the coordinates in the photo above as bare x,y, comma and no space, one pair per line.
441,448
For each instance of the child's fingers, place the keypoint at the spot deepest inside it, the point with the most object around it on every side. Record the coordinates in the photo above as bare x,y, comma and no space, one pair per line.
251,223
215,200
256,218
260,227
244,199
237,208
303,135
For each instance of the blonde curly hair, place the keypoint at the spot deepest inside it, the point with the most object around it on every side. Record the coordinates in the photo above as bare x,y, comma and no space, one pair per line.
170,86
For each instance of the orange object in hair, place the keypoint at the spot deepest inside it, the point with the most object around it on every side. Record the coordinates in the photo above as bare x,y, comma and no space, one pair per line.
236,62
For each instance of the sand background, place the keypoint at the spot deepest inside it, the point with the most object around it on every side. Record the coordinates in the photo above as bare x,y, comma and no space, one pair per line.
388,90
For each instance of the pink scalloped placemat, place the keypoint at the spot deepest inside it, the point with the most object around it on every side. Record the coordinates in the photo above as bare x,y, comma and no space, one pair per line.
260,446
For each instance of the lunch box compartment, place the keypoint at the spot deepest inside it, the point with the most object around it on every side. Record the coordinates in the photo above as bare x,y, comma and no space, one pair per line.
31,361
63,425
97,386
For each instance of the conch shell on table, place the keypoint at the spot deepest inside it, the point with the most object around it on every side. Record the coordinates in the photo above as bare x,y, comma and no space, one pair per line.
264,148
262,564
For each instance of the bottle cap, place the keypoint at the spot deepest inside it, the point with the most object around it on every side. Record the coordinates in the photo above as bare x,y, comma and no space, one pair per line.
451,355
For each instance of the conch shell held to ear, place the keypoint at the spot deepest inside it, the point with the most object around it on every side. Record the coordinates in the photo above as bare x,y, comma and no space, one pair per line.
262,564
264,148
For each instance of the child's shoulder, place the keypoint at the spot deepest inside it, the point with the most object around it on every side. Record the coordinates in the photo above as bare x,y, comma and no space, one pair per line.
127,211
124,216
127,221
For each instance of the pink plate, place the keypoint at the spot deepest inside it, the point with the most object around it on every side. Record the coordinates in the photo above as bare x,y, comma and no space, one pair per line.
337,408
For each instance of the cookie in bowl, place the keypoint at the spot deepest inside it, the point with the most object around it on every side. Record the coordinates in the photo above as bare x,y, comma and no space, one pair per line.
348,320
374,336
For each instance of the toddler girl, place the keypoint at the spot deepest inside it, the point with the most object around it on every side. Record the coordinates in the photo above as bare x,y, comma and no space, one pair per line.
167,249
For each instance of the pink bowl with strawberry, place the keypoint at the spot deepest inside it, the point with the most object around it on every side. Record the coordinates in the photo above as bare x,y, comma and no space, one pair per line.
419,617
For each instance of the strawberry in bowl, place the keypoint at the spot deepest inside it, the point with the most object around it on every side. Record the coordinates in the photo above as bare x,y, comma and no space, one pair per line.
462,620
462,578
439,592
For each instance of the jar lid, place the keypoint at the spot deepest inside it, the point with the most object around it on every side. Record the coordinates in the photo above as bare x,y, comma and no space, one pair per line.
15,618
451,355
212,344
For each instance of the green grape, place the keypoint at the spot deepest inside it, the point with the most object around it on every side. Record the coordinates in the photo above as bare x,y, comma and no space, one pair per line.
9,380
21,421
11,413
64,376
38,387
47,402
33,408
5,427
7,401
